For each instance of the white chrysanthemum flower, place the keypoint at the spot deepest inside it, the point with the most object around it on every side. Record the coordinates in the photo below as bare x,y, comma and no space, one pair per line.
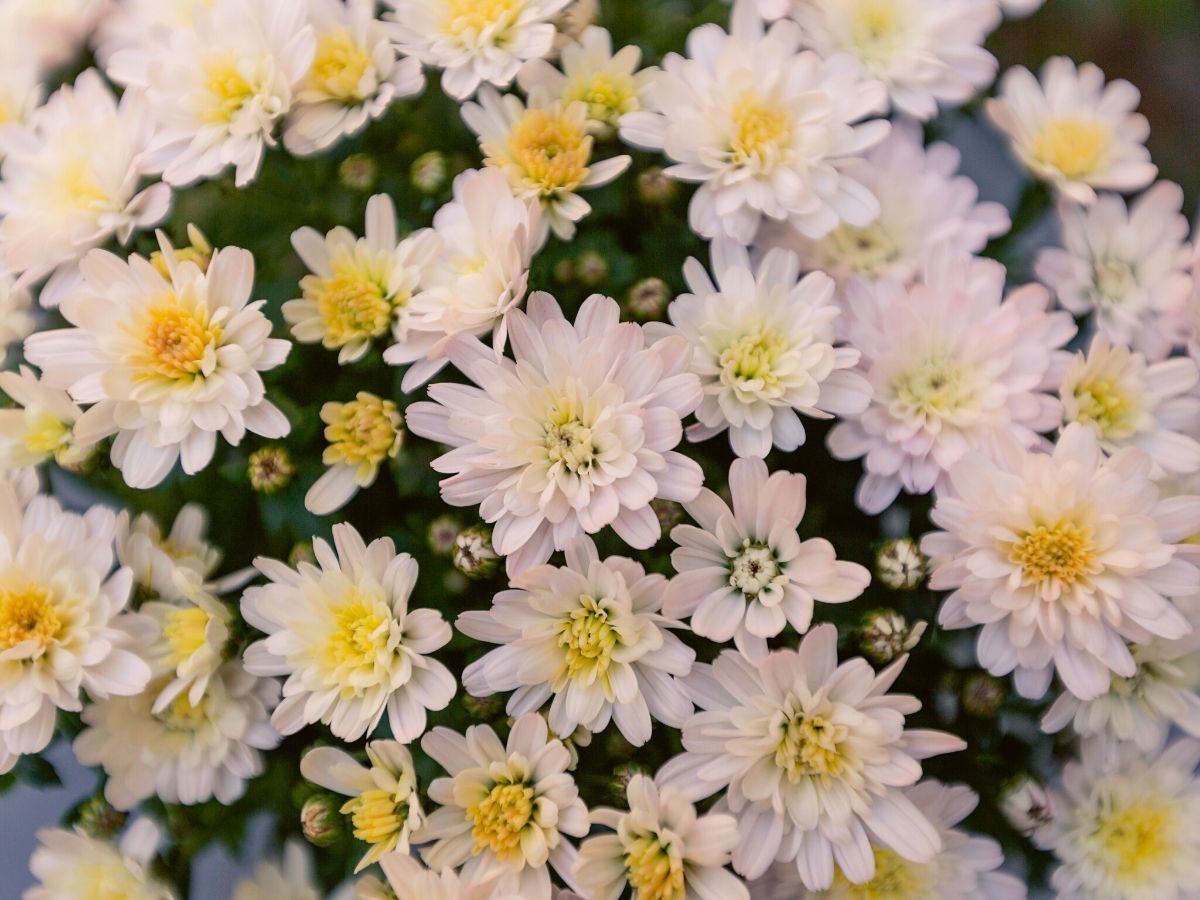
1073,131
576,434
163,563
590,638
167,363
504,809
610,84
764,349
359,289
343,633
63,625
21,88
767,131
70,180
355,75
474,41
40,427
923,204
385,808
1127,825
544,149
70,865
953,365
363,434
185,752
139,24
292,878
1129,268
407,879
218,88
1129,403
488,238
660,849
814,756
927,54
744,573
194,629
52,31
1062,557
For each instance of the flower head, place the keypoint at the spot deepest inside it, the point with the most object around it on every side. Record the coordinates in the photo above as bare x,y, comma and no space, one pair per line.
71,864
41,427
363,434
291,877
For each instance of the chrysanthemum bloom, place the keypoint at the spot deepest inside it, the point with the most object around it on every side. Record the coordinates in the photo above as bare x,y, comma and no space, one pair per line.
70,180
544,149
363,434
384,808
218,88
1127,825
360,288
194,629
162,563
504,809
589,635
354,77
291,878
16,322
576,434
167,363
409,880
953,365
488,238
1073,131
40,427
660,848
767,131
1129,403
763,347
1129,268
342,632
1063,557
744,573
72,864
813,756
474,41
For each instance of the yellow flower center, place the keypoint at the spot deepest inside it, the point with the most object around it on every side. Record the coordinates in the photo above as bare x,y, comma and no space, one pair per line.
937,389
353,305
186,632
1136,839
811,745
227,87
747,364
1075,147
1106,404
181,715
104,880
551,150
569,442
588,639
607,95
753,569
874,29
360,632
378,816
45,433
365,431
895,879
472,17
27,613
654,872
760,131
179,343
1061,553
339,65
863,250
500,817
78,188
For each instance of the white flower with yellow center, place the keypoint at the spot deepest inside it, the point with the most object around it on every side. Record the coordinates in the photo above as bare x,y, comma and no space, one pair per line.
218,88
343,633
661,849
167,364
40,427
355,76
1128,267
1073,131
767,130
292,878
164,565
194,630
589,637
504,809
813,756
384,807
953,364
474,41
544,149
576,434
363,434
70,865
1063,557
1129,403
359,289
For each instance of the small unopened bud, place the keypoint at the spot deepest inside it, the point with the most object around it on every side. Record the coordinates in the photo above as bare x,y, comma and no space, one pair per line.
591,268
98,818
982,695
901,565
473,554
564,271
669,513
621,776
359,172
648,299
442,532
321,820
302,551
1027,805
656,187
885,634
270,469
429,172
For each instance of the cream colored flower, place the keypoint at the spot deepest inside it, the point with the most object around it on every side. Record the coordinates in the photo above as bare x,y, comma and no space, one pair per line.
291,879
363,434
40,427
69,865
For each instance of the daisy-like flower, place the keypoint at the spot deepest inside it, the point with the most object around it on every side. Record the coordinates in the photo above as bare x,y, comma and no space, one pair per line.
292,878
1129,268
217,89
363,434
504,809
660,848
590,636
384,807
40,427
183,752
16,322
167,363
474,41
409,880
767,131
1073,131
70,180
70,864
354,77
544,149
342,632
1129,403
953,365
194,629
744,573
1063,557
359,289
576,434
813,756
610,84
163,563
764,349
1127,824
488,238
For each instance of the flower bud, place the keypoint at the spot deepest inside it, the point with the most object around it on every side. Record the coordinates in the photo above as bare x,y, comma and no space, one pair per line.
591,268
656,187
473,554
885,634
270,469
429,172
983,695
302,551
199,250
359,172
1027,805
321,820
442,532
621,776
901,565
485,709
97,818
648,299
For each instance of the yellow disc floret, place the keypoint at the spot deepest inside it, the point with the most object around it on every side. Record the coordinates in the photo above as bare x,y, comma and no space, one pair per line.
1074,147
27,613
501,817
